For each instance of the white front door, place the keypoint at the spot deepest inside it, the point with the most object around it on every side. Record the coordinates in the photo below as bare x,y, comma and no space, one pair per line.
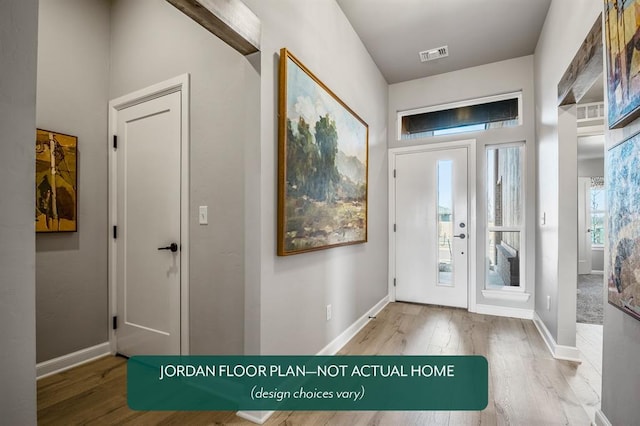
584,225
148,227
431,222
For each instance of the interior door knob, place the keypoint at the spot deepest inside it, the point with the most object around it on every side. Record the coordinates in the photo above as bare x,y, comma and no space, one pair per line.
461,236
173,247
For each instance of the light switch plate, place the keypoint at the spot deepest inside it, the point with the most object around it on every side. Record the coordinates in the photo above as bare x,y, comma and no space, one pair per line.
203,215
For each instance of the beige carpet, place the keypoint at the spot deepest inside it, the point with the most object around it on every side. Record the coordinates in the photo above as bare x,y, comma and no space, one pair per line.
590,299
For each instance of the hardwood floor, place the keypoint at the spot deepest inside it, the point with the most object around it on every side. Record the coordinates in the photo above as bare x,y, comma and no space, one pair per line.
526,385
587,381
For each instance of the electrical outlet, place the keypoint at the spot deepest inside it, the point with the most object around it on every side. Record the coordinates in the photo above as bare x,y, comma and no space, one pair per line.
329,312
548,303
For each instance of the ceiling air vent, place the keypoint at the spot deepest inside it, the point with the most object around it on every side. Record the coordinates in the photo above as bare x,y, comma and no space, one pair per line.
430,55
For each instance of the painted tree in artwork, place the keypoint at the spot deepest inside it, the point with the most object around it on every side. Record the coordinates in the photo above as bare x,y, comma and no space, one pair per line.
295,147
302,158
328,175
311,162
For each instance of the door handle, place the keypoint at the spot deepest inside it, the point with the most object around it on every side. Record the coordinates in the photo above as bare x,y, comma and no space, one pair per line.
173,247
461,236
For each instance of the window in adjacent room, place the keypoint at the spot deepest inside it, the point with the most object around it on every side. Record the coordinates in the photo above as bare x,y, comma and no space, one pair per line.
597,211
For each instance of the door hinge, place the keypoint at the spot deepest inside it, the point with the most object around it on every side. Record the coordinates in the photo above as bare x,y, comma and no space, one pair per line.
115,322
394,227
115,232
394,173
394,282
115,141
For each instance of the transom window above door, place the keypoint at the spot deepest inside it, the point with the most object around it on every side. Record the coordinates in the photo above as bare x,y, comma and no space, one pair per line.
467,116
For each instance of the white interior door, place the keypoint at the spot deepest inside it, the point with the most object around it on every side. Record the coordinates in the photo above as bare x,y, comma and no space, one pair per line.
148,227
584,225
431,227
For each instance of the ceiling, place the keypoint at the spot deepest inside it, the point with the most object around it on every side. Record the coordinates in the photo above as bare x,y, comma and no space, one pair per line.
477,32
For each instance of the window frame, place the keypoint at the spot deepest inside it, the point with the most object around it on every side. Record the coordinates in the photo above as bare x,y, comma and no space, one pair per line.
594,212
488,290
460,104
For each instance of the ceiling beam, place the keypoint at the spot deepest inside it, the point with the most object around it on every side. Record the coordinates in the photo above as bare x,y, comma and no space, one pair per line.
230,20
584,69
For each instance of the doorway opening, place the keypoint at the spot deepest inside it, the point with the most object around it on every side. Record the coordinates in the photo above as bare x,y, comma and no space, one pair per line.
591,206
590,291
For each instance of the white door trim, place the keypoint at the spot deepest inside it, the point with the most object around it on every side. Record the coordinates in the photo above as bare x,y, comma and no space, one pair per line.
470,144
177,84
584,223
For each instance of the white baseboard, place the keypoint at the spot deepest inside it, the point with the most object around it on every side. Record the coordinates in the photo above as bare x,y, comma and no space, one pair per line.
601,419
567,353
502,311
258,417
336,344
65,362
332,348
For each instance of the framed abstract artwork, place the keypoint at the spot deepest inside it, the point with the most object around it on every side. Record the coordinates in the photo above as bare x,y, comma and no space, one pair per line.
623,199
56,182
322,165
622,38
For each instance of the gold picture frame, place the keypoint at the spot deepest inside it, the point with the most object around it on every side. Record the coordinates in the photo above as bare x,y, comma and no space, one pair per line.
56,182
323,156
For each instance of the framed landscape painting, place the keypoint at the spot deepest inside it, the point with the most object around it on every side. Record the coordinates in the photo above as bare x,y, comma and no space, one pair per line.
622,38
623,198
56,182
322,165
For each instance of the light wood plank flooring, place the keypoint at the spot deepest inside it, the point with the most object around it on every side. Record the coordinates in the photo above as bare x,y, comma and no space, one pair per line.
586,381
526,385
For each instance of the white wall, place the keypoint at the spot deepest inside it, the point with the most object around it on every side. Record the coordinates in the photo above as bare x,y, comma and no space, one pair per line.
591,167
252,219
18,35
72,97
597,259
153,41
515,75
564,30
294,290
233,164
567,226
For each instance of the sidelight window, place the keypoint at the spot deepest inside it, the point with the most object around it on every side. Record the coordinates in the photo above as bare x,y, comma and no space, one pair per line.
505,216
